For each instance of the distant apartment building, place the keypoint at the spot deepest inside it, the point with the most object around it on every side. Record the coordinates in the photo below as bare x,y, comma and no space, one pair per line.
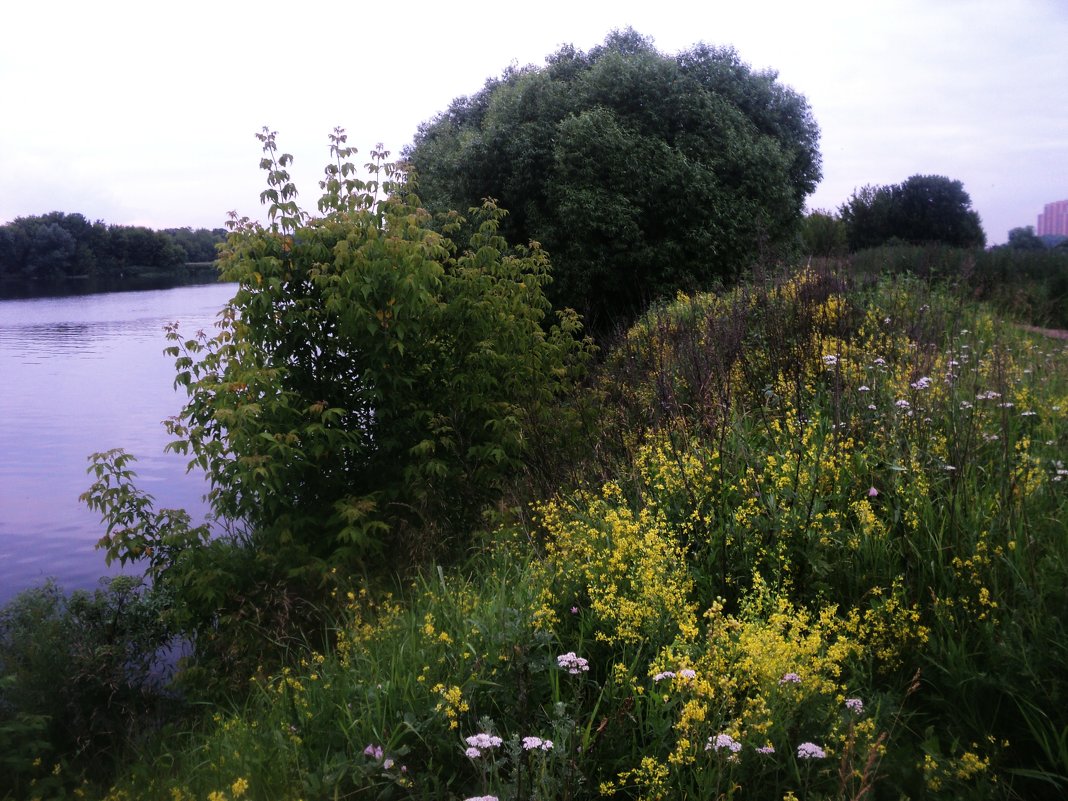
1054,219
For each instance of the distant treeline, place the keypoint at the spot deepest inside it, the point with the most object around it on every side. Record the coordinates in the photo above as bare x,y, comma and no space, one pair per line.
59,245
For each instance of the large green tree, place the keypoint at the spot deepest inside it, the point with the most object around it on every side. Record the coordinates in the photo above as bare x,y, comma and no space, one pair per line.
924,209
640,173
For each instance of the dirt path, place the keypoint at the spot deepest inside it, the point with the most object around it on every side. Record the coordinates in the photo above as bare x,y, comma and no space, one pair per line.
1055,333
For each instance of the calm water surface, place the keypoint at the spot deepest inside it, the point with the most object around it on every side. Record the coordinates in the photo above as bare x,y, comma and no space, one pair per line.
79,375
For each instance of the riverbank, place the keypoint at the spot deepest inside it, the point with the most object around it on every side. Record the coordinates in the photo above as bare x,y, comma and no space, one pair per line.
133,280
810,545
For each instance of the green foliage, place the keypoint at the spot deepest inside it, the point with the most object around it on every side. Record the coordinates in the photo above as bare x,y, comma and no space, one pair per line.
369,389
1031,286
79,680
200,245
640,173
924,209
1025,239
823,234
820,488
366,378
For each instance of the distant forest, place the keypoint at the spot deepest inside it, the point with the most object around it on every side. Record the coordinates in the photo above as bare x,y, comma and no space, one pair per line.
59,245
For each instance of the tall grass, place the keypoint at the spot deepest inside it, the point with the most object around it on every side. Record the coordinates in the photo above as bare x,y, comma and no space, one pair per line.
1030,286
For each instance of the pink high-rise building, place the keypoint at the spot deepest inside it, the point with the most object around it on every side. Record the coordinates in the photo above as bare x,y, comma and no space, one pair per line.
1054,219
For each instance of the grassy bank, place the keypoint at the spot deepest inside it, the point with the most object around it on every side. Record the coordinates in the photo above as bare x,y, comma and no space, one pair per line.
1028,285
816,550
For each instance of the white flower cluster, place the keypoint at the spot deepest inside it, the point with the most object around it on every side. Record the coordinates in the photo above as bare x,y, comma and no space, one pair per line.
810,751
572,664
537,744
723,742
478,744
685,673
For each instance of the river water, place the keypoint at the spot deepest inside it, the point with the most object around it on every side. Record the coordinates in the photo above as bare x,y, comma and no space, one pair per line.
81,374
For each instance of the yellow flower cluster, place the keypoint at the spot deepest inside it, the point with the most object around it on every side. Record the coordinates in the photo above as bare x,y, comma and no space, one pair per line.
750,677
237,790
975,572
650,777
787,497
954,770
681,481
629,564
890,627
370,622
431,633
867,521
452,703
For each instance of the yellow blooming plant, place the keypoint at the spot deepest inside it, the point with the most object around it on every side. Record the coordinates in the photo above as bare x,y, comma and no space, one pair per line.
452,704
629,566
737,699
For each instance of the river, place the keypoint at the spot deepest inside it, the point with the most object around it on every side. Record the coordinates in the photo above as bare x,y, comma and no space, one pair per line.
81,374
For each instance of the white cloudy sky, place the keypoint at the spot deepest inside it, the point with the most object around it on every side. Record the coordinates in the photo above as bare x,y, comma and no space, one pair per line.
145,112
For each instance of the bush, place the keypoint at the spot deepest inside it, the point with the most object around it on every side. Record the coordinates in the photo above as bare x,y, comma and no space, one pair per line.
80,677
372,386
1031,286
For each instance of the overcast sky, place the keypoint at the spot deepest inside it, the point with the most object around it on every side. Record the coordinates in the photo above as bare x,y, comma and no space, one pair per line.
145,113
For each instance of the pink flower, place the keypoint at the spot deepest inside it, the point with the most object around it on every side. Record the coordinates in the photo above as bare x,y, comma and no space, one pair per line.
484,740
872,492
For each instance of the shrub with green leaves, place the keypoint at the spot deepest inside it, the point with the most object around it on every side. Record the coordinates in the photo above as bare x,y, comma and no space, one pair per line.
371,386
79,679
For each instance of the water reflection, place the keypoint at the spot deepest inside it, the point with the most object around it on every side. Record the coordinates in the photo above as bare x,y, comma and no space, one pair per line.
81,374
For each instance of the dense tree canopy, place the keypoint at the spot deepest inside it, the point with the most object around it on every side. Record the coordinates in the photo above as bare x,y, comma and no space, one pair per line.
1025,239
61,245
639,173
200,244
924,209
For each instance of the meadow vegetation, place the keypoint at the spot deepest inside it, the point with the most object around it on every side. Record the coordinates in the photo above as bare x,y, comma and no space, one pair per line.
799,539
